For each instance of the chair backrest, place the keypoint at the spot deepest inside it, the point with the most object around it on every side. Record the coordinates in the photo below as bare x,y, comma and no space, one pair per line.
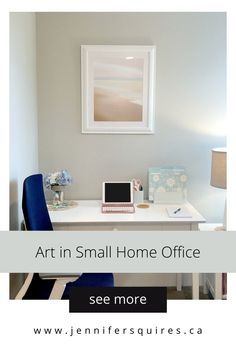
34,205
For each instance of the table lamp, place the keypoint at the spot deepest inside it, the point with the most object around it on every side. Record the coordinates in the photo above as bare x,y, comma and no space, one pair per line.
219,172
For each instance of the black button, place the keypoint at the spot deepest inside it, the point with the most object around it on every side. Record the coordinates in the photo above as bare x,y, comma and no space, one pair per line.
118,299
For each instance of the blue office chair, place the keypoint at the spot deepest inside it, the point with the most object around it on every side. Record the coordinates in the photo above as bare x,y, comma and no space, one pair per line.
34,206
37,218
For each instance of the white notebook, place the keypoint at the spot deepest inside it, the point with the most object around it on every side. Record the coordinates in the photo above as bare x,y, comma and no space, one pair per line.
178,212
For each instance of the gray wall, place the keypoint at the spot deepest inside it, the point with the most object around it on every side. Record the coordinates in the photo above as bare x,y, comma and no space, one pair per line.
23,109
23,118
190,100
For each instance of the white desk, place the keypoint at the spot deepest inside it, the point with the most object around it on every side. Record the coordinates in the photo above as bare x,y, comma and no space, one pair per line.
87,216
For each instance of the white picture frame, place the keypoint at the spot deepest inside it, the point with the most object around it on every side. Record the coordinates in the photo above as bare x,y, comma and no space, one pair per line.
118,89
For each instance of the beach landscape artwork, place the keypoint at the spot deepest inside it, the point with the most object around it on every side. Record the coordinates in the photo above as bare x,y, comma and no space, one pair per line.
118,89
118,85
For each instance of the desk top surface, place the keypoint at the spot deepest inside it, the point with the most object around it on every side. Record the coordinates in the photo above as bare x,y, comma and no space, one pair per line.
89,211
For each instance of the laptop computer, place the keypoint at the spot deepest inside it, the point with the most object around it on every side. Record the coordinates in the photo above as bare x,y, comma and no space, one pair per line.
117,197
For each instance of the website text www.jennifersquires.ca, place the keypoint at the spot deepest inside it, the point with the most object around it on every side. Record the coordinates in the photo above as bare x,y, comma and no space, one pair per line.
116,331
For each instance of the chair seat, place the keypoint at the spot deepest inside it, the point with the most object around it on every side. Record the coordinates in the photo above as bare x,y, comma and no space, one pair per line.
90,280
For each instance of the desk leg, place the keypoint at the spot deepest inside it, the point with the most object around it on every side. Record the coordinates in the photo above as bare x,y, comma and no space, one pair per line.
179,281
195,286
204,283
218,286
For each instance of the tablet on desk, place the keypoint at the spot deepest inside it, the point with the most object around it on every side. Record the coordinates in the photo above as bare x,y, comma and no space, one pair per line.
117,197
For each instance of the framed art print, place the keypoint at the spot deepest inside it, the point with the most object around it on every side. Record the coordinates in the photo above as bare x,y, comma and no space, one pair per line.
118,89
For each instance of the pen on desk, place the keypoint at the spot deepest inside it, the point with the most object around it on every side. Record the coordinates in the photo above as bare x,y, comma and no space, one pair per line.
177,210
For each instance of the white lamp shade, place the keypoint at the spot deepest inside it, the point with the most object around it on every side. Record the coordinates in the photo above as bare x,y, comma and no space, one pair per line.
219,168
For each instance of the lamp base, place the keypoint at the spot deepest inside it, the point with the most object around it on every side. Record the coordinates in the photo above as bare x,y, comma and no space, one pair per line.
223,227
